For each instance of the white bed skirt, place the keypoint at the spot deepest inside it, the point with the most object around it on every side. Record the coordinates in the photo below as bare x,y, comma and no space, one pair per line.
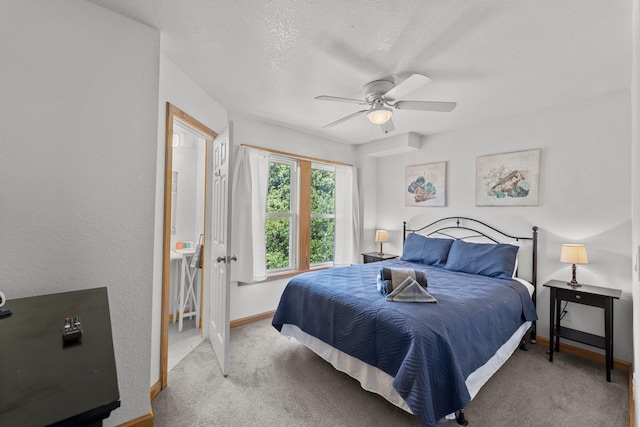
374,380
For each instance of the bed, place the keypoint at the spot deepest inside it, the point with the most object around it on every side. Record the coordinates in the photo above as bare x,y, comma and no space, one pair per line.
428,358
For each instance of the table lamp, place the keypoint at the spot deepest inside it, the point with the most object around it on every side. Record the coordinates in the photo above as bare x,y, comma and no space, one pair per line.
574,254
381,236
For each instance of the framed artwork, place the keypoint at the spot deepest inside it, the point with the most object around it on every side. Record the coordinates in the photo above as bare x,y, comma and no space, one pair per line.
508,179
425,184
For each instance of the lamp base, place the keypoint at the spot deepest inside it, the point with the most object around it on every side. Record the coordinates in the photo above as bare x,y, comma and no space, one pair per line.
573,281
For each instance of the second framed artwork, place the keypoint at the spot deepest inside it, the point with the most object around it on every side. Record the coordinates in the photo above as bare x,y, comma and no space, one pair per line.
508,179
425,185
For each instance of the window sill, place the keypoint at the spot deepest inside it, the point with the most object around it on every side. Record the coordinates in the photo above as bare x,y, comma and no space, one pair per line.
280,276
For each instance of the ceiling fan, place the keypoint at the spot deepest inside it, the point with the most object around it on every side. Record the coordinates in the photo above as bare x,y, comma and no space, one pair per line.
382,97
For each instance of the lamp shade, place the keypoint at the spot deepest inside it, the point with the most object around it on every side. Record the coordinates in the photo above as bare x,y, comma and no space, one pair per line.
574,254
381,236
379,115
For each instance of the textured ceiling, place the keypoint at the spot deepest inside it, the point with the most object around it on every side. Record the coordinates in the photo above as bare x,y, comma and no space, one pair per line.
268,59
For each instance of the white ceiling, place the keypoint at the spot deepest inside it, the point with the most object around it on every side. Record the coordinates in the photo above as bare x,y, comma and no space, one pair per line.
268,59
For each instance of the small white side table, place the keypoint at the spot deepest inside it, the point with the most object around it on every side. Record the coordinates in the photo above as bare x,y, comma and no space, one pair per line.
188,290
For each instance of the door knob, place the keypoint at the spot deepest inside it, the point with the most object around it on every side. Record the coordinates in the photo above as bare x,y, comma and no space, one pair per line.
227,258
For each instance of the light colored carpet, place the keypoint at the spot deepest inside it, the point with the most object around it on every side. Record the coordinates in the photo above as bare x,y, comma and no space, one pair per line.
279,382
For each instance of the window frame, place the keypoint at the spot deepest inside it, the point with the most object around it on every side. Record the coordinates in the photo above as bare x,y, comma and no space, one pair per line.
300,201
292,214
329,168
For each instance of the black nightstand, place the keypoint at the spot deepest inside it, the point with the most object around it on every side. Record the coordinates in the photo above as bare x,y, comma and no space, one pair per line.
374,257
594,296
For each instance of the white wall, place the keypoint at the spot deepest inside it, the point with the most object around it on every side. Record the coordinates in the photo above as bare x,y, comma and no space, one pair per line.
178,89
368,204
77,165
276,137
186,163
635,188
248,300
584,196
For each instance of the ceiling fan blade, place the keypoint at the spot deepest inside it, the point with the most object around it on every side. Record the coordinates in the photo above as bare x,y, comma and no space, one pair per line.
442,107
410,84
344,119
388,126
338,99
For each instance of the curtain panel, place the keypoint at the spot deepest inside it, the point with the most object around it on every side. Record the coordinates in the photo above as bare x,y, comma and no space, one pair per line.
347,216
250,183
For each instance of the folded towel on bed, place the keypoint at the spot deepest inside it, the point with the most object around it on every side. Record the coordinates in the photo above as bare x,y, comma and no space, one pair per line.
410,291
391,278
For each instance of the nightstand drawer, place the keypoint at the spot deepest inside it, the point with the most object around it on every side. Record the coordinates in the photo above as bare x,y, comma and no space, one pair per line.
375,257
369,258
580,297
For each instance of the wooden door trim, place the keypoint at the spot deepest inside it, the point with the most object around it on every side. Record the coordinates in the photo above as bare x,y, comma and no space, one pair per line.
172,113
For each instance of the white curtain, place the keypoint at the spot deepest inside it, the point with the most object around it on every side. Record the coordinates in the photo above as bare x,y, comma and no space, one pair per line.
250,184
347,216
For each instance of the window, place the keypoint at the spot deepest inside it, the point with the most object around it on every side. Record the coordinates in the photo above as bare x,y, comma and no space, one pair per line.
300,217
280,224
323,214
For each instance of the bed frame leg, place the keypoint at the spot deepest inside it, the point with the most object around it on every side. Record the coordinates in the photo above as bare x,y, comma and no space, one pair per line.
533,334
532,339
523,345
461,420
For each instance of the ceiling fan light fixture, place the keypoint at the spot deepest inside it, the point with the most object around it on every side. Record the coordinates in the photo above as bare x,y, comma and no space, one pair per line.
379,114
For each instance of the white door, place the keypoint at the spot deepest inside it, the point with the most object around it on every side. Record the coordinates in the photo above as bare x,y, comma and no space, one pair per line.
218,238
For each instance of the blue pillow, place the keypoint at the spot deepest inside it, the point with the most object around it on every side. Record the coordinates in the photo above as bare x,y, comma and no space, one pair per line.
412,250
428,251
494,260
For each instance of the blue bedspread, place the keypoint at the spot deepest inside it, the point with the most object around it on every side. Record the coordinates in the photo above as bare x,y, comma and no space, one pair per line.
429,348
